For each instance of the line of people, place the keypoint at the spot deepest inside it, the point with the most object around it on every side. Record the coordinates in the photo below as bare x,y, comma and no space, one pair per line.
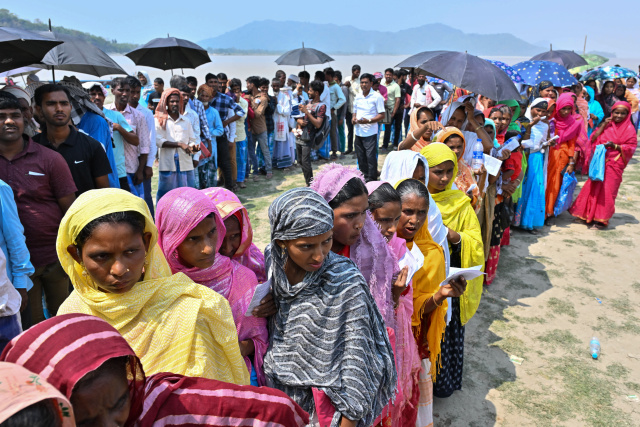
346,335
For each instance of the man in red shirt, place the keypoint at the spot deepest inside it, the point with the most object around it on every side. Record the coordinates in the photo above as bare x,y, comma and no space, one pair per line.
44,190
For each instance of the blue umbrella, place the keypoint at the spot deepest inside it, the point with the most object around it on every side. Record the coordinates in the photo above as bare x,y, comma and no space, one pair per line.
534,72
609,73
508,69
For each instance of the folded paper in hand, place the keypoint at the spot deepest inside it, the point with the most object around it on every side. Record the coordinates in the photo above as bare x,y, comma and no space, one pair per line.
262,290
468,273
510,145
414,259
492,165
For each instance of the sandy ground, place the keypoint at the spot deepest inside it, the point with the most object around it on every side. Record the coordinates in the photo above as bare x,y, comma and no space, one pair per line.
553,293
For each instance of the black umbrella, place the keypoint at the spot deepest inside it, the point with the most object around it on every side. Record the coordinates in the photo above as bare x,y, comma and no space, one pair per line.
19,48
169,53
567,58
465,71
303,56
78,56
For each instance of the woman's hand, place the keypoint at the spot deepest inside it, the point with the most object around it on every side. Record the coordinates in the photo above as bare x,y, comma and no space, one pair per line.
400,285
453,289
266,308
571,168
505,155
247,348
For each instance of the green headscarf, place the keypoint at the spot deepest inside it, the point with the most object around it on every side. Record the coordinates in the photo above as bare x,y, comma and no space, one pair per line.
514,125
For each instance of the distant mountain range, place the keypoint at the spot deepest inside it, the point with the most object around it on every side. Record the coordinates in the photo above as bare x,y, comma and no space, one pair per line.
279,36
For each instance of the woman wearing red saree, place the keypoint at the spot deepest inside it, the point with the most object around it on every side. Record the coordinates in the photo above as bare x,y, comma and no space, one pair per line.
568,127
596,202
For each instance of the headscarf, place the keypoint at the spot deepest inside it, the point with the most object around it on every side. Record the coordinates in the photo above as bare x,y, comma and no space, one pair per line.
594,108
513,125
400,165
489,122
458,215
538,132
567,128
607,101
65,348
371,252
148,88
464,179
414,126
248,254
334,303
428,332
623,134
179,212
206,89
171,322
21,388
545,84
446,115
162,111
18,92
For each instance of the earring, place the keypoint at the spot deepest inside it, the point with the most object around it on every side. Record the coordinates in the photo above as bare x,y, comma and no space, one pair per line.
283,250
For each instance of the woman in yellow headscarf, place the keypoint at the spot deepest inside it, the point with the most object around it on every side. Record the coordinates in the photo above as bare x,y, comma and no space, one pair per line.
466,248
107,244
453,138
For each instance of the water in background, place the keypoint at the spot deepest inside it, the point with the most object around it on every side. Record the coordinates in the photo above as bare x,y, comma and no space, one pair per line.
243,66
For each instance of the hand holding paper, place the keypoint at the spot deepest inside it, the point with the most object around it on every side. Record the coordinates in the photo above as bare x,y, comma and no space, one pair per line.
468,273
262,290
413,259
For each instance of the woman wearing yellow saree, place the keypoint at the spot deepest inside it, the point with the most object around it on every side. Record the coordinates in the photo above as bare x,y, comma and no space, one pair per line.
466,246
107,244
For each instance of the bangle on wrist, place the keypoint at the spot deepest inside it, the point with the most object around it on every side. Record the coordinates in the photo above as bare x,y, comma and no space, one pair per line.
458,242
433,297
413,136
476,129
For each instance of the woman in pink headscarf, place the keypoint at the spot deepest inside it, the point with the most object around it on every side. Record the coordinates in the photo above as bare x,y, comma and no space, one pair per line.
568,127
238,243
191,232
596,202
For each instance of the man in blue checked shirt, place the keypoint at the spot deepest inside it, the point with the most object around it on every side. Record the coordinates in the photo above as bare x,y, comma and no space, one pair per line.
224,105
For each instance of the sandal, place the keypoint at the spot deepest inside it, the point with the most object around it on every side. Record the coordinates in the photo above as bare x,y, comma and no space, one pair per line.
242,185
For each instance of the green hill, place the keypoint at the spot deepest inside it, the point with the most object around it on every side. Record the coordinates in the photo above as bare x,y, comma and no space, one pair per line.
8,19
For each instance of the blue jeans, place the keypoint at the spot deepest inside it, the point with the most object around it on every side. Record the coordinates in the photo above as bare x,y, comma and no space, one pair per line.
252,163
136,190
241,159
9,329
263,141
168,180
147,195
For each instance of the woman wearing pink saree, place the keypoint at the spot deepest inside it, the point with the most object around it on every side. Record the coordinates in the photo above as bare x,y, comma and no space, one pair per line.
238,243
596,202
191,233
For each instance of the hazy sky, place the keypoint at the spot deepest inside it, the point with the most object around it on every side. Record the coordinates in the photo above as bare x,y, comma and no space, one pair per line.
562,22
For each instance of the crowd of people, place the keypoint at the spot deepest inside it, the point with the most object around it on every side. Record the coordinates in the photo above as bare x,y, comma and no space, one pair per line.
349,316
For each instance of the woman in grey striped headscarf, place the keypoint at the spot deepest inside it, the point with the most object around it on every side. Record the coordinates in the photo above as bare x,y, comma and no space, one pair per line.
329,349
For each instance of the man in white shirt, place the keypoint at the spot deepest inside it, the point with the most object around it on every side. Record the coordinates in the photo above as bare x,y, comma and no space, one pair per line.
424,95
368,110
176,143
353,83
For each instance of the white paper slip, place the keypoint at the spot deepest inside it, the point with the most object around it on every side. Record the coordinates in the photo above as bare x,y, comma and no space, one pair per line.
510,145
413,259
492,165
468,273
262,290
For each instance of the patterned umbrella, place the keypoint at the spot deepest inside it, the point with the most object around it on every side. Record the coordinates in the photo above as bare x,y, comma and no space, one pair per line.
534,72
608,73
508,69
593,61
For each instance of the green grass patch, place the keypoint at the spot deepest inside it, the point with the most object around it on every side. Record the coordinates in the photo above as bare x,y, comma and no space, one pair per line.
621,305
512,345
586,291
607,326
635,286
555,273
617,371
562,338
559,306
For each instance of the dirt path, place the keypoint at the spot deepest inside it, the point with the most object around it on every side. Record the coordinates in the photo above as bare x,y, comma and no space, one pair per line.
553,293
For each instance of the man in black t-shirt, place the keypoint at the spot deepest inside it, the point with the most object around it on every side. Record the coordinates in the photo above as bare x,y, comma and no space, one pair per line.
154,97
85,156
405,89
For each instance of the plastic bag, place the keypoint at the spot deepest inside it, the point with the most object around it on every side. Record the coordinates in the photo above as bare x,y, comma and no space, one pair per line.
596,167
565,197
